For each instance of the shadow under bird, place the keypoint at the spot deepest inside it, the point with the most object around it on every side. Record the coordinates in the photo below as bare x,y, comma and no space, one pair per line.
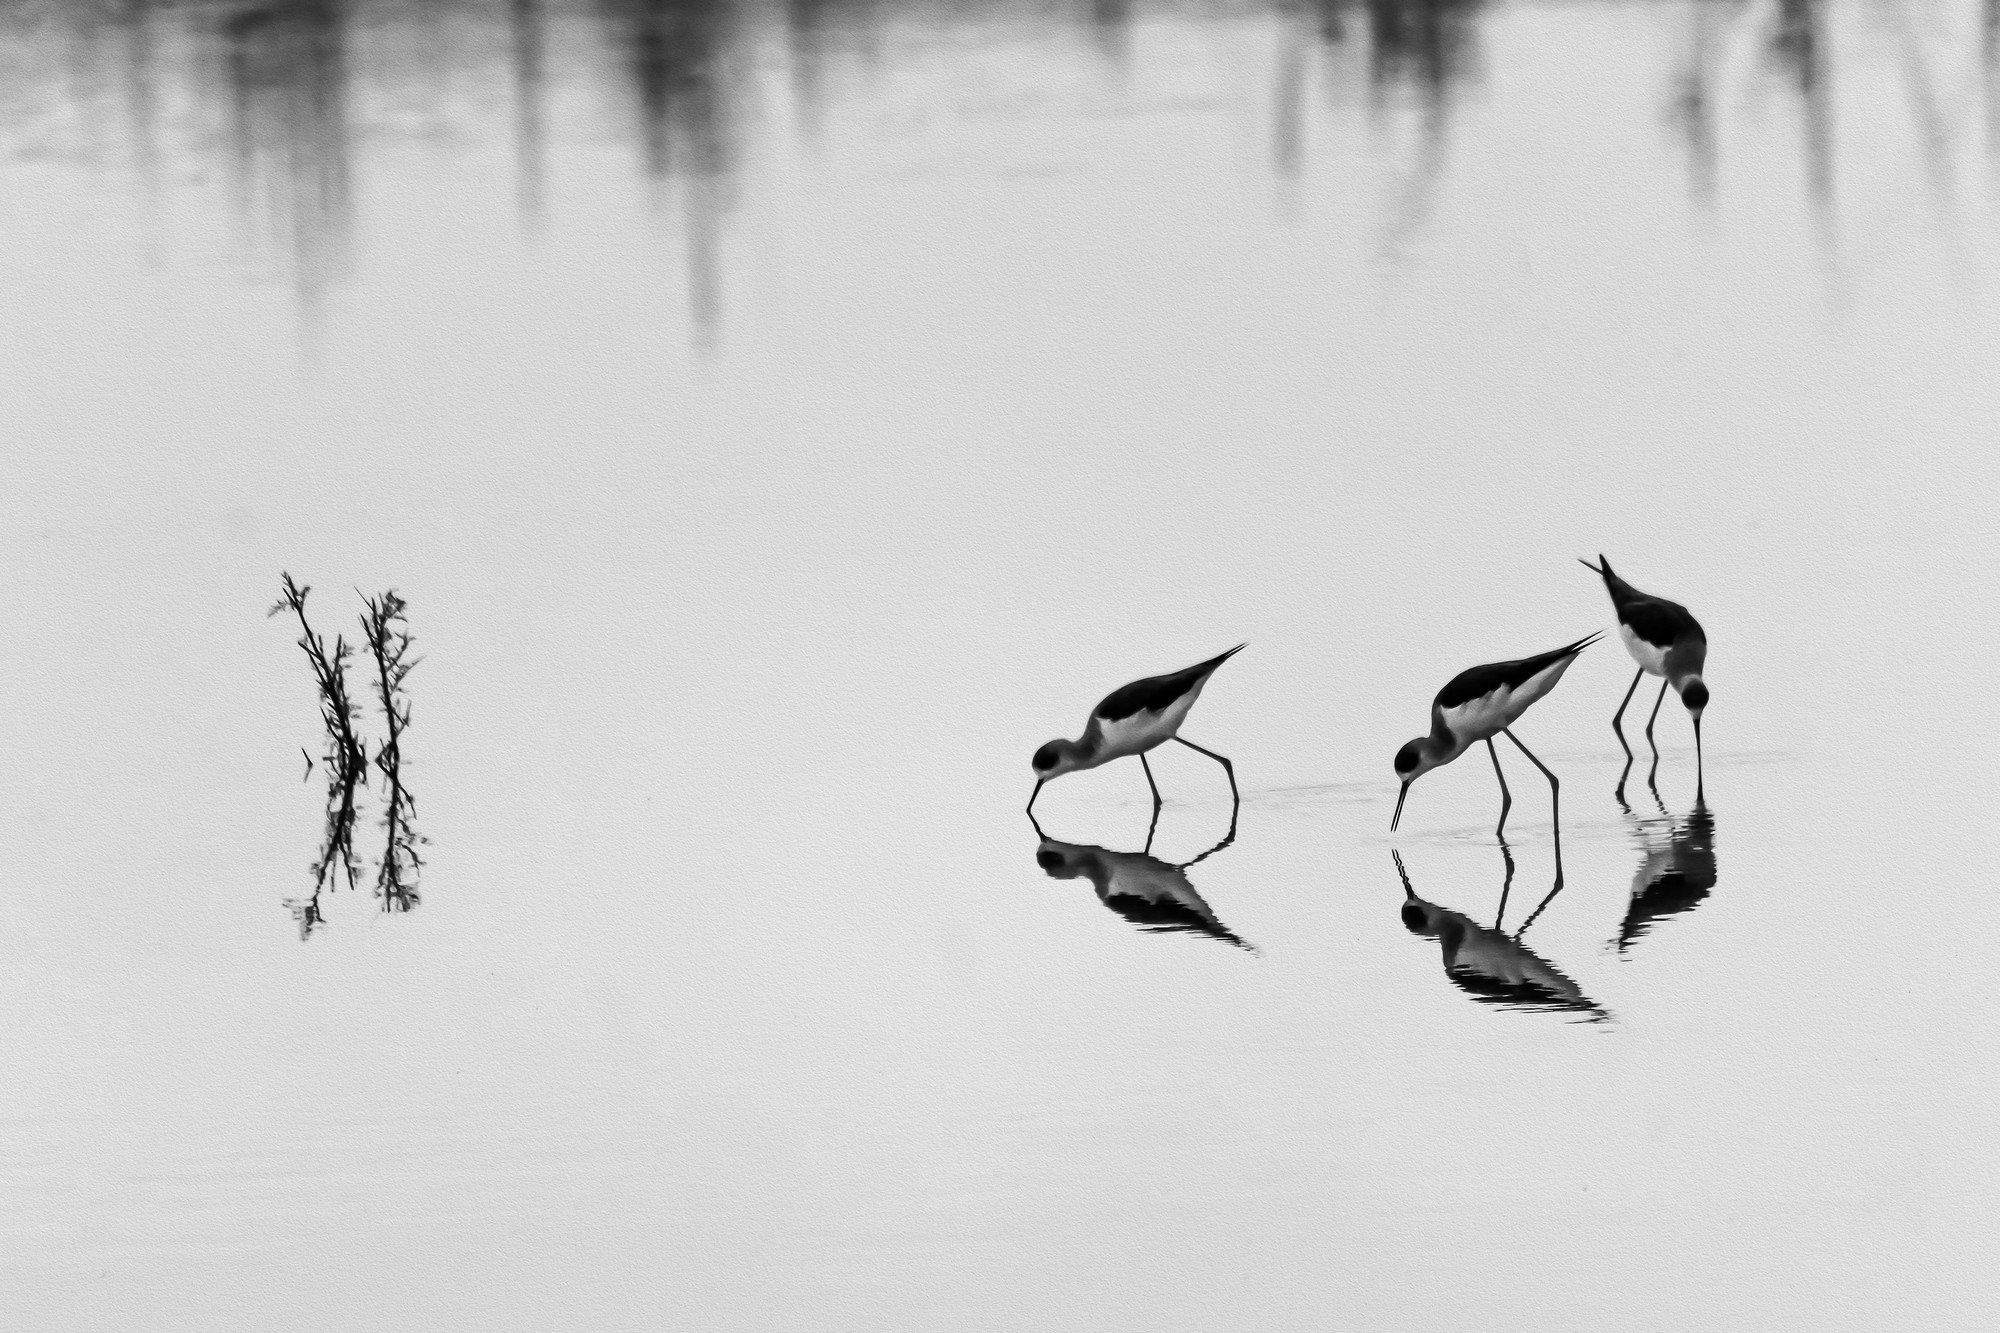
1490,965
1666,642
1478,705
1150,893
1132,720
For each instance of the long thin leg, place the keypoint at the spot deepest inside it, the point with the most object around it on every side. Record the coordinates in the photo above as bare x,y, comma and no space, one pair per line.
1229,769
1618,716
1506,885
1506,797
1697,758
1555,801
1652,773
1655,717
1150,828
1618,792
1150,783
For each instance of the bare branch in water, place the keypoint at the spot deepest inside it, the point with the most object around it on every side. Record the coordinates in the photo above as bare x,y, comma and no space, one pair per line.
389,643
345,759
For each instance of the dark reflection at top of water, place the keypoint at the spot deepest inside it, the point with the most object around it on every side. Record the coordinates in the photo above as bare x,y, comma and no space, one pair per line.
679,56
1676,870
286,70
283,75
1152,894
1488,964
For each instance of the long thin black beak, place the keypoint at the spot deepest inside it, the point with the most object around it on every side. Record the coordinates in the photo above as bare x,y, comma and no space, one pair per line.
1037,792
1697,757
1397,818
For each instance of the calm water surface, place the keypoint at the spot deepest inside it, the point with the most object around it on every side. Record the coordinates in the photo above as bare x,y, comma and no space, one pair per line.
781,420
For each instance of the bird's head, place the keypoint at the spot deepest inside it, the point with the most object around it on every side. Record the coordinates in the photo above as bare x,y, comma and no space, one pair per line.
1414,760
1057,758
1695,695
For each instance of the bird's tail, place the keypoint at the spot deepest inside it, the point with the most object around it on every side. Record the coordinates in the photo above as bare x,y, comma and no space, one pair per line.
1214,662
1619,589
1581,644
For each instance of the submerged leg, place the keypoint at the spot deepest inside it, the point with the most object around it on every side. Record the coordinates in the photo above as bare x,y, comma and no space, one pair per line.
1551,897
1229,770
1555,802
1506,797
1506,885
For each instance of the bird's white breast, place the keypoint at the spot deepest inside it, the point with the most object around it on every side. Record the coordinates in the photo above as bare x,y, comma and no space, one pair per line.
1652,660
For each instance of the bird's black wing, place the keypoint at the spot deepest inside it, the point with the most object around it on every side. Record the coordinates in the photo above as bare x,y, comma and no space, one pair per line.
1479,681
1659,621
1156,694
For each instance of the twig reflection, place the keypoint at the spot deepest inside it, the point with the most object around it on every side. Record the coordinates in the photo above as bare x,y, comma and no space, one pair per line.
385,630
389,643
345,759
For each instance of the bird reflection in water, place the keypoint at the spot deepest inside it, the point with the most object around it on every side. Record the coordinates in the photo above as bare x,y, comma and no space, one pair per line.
1676,871
1152,894
1490,965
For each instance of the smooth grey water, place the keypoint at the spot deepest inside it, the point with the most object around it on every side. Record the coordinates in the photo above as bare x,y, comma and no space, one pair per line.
781,419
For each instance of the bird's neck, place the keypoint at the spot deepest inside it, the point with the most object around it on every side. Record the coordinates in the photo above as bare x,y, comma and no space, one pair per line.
1447,745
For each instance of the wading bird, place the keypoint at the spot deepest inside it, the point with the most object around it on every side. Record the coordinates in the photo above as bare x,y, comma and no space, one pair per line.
1665,641
1133,720
1478,705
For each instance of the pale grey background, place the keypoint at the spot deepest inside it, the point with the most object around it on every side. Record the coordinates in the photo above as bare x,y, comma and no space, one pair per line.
766,484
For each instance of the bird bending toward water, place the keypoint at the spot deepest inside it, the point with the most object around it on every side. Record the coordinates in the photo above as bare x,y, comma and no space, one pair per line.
1478,705
1133,720
1665,641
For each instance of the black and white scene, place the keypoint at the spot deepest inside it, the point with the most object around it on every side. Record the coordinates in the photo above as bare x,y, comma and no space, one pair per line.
999,666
